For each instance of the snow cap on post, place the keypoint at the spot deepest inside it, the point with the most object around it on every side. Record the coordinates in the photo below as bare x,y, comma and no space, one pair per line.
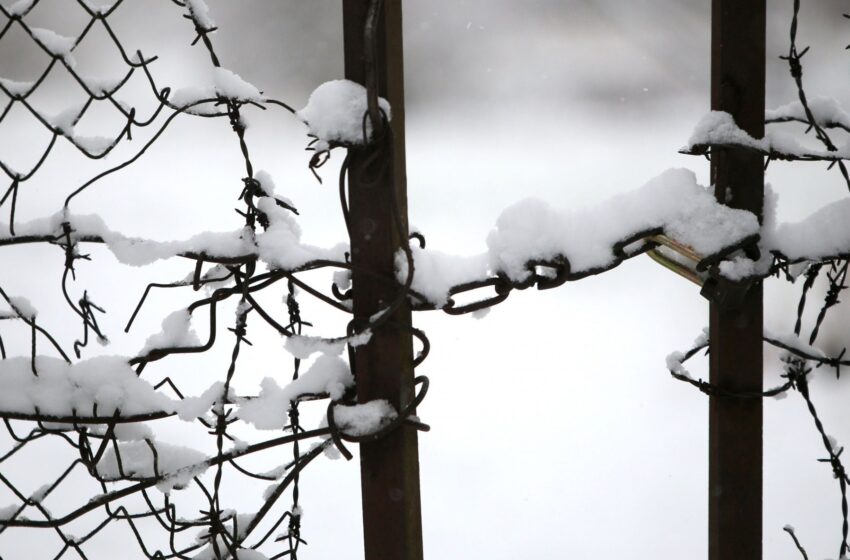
335,114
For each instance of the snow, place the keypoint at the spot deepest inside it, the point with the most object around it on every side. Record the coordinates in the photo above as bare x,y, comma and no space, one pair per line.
250,554
200,13
140,252
214,275
833,444
64,121
531,230
238,444
266,182
795,343
674,364
231,85
184,97
209,551
94,145
222,83
23,307
103,5
191,408
40,493
60,389
740,267
20,7
268,187
8,512
364,419
342,279
360,339
280,245
176,331
436,272
335,113
787,340
674,201
302,347
718,127
136,431
16,88
56,44
825,110
101,86
823,233
702,339
328,374
179,464
481,313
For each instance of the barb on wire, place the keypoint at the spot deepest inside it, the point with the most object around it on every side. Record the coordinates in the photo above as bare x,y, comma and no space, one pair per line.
113,441
109,437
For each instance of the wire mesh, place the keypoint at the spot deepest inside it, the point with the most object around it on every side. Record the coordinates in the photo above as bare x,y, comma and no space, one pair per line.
126,495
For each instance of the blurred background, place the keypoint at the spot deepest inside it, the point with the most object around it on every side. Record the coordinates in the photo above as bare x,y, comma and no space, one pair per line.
557,432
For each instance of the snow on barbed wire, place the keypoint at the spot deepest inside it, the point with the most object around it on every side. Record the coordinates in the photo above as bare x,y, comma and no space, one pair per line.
222,83
200,14
279,246
105,384
176,332
302,346
824,233
269,411
335,113
825,110
23,307
720,128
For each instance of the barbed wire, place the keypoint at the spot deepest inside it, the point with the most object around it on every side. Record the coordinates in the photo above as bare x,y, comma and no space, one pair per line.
798,355
96,437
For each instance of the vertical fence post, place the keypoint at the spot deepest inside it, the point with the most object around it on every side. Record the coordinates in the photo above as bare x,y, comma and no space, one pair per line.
735,425
389,468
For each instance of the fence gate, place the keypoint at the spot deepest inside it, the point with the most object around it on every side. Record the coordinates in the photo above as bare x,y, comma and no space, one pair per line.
391,510
115,446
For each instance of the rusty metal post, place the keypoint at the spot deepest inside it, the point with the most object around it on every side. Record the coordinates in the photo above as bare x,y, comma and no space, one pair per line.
735,425
383,368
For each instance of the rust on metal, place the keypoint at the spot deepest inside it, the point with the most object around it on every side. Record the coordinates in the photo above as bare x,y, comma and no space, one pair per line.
735,364
377,200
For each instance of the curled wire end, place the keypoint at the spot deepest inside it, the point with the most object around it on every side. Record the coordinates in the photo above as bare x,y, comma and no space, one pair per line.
419,238
406,416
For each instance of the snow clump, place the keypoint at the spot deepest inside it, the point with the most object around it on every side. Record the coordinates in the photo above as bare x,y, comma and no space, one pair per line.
335,114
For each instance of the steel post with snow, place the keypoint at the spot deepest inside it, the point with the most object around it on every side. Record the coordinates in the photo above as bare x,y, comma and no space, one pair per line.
377,199
735,364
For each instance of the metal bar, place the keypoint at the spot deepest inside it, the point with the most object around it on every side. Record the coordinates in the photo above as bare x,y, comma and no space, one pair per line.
675,266
383,368
680,248
735,364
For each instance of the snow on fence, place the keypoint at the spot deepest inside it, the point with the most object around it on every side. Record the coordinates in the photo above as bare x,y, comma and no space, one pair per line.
106,407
